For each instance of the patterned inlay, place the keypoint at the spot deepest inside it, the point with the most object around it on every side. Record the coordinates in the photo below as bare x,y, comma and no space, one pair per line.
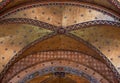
14,37
83,59
104,38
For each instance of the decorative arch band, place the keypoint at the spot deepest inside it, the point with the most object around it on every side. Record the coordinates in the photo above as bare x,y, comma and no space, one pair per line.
89,45
60,63
54,69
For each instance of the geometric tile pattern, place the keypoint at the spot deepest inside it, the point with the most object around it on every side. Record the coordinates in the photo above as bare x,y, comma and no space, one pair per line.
42,67
82,59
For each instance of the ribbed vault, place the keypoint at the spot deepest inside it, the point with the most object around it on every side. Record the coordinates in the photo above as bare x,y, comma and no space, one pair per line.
61,29
78,57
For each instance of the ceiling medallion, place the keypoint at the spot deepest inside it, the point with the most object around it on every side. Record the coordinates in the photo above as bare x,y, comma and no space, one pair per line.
61,31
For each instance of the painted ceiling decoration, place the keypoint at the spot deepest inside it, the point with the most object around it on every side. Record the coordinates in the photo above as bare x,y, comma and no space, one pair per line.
67,55
106,4
61,16
75,35
66,70
62,63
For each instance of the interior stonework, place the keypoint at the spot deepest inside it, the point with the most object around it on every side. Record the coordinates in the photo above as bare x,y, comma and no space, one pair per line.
59,41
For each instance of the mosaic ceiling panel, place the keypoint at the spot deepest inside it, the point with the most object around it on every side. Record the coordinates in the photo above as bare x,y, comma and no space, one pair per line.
104,38
14,37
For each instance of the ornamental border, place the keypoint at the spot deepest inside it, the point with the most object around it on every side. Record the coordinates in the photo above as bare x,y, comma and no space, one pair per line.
66,59
60,61
92,23
67,70
29,21
57,29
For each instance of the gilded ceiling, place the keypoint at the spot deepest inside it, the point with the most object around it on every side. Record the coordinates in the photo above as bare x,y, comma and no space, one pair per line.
37,35
60,16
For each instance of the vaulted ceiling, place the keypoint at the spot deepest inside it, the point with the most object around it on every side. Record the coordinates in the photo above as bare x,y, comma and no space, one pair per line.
89,27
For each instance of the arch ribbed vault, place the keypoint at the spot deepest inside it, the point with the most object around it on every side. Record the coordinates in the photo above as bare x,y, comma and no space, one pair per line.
79,58
75,31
